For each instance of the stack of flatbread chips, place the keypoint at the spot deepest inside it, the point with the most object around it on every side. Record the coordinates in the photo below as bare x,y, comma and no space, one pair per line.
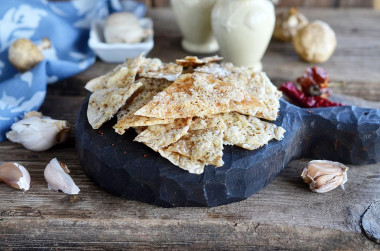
187,110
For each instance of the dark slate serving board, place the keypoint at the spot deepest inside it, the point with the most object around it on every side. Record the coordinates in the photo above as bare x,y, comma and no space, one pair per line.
130,169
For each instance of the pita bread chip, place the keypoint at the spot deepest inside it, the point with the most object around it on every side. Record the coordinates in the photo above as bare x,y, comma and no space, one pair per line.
195,61
249,132
198,94
192,166
105,103
121,76
204,144
154,68
258,85
126,117
160,136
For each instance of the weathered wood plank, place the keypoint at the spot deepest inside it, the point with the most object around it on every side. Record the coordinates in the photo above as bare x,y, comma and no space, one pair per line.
285,215
286,210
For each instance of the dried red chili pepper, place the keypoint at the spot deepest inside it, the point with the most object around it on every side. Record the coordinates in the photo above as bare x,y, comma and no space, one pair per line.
315,82
300,98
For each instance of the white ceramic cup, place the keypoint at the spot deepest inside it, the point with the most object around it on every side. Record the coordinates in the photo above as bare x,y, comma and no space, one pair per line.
194,20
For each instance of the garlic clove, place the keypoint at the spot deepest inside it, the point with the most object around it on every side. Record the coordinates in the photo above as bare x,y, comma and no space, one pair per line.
124,27
24,55
15,175
57,177
38,133
328,184
324,176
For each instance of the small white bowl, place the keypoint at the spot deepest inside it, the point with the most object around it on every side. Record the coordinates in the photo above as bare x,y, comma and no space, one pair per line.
117,53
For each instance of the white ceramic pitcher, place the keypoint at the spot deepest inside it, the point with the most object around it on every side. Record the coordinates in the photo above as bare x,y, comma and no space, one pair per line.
243,29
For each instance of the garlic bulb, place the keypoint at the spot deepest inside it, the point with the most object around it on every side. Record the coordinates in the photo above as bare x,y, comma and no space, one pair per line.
38,133
124,27
288,23
324,175
58,178
315,42
15,175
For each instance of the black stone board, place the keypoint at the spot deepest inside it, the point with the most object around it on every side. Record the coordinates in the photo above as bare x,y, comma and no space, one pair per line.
132,170
371,222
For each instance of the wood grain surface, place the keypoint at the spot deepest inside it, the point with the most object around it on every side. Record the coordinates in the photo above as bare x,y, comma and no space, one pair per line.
285,215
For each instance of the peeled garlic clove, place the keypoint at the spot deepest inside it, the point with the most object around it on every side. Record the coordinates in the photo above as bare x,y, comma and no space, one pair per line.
324,176
124,27
38,133
57,177
15,175
24,55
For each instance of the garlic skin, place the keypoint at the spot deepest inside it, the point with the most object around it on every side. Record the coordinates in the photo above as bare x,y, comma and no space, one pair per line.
57,177
39,133
15,175
324,175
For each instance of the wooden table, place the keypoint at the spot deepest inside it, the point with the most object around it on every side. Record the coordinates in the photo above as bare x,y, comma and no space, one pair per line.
284,215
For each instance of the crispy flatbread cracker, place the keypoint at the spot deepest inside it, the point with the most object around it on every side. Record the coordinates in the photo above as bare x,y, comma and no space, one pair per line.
199,123
255,82
105,103
202,144
249,132
160,136
258,85
139,129
126,117
220,70
155,68
215,69
192,166
121,76
195,61
198,94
